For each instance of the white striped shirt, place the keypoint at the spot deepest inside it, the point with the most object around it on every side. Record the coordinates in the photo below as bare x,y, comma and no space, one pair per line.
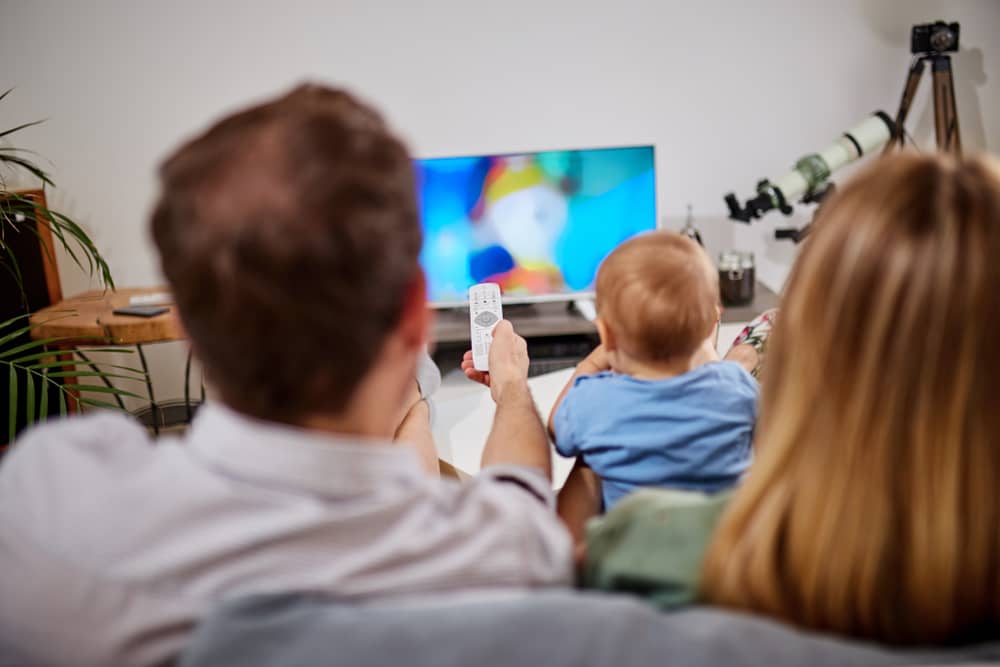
112,547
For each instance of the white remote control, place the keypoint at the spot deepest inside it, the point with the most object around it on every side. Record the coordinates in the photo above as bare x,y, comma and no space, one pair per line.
484,313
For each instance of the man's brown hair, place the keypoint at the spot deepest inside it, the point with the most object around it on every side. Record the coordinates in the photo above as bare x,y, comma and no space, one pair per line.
659,295
289,233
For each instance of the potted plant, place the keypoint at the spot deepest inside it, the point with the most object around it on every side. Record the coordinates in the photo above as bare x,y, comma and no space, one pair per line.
37,377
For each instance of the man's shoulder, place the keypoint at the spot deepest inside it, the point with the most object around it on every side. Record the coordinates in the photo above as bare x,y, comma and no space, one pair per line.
53,459
99,434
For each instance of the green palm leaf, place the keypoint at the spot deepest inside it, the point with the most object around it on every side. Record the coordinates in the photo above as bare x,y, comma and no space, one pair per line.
43,404
19,127
33,365
29,397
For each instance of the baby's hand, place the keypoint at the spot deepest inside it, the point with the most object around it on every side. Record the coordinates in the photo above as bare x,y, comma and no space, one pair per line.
596,362
705,353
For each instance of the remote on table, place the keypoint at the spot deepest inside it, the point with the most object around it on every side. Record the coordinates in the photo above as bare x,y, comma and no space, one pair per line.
484,313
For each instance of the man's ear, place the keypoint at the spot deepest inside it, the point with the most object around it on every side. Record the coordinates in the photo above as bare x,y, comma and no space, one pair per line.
607,336
415,319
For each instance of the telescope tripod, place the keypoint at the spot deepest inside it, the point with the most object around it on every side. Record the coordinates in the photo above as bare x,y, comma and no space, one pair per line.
945,113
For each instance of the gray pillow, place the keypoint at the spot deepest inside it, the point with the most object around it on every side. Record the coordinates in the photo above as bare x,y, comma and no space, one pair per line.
551,628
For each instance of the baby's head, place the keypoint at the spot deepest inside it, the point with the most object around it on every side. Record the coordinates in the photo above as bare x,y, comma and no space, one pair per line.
657,298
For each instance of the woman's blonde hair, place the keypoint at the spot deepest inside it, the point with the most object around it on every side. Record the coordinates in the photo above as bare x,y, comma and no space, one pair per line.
873,506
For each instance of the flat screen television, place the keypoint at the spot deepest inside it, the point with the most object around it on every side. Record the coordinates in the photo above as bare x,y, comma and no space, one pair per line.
538,224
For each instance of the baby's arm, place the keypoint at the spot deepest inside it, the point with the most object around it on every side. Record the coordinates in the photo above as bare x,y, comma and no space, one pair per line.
579,500
595,362
580,497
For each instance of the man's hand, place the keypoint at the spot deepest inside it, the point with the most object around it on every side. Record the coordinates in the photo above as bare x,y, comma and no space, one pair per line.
508,361
517,436
470,371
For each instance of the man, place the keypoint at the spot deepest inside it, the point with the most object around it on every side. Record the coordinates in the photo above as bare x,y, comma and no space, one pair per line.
290,236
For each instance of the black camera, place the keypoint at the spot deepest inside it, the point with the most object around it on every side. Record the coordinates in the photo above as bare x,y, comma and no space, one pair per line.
937,37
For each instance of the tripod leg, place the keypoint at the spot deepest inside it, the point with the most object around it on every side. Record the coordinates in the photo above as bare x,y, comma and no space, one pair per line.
909,90
945,112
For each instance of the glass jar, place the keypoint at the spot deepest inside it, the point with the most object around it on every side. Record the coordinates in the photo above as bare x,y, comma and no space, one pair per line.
737,277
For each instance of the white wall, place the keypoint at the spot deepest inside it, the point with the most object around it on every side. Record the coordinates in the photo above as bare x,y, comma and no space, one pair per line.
729,91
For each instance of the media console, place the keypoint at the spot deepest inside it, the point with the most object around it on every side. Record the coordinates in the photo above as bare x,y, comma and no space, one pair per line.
557,334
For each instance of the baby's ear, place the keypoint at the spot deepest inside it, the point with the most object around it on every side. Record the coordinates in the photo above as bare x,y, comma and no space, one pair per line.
607,336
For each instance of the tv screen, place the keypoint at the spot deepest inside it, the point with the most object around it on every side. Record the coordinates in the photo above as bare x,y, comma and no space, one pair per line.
537,224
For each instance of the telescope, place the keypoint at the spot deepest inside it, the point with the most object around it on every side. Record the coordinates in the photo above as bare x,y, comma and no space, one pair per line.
808,179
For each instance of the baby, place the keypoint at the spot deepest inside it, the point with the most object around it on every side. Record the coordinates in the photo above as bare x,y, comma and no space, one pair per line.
653,405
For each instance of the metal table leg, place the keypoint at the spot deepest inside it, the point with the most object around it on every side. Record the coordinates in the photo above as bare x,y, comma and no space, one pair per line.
187,387
149,387
106,381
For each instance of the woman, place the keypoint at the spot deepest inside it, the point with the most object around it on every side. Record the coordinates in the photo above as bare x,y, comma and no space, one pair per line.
871,509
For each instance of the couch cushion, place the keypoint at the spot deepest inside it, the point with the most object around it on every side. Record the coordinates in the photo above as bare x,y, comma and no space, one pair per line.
551,628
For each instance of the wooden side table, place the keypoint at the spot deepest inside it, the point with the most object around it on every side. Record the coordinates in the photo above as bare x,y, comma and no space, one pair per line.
90,315
88,319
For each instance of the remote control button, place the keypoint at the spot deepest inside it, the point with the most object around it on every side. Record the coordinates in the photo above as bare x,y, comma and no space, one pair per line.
485,318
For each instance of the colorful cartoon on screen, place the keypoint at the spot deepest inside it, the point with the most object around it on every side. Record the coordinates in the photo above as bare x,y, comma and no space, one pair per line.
537,224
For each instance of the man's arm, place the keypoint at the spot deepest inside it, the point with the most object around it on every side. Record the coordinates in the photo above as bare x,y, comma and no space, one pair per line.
518,436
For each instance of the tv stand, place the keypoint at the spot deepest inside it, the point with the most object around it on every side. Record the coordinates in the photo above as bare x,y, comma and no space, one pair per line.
555,330
557,335
530,320
586,309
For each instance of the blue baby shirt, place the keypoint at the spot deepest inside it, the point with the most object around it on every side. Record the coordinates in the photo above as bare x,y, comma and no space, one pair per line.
691,431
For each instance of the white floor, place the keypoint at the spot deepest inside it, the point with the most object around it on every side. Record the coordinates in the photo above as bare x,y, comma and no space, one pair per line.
464,413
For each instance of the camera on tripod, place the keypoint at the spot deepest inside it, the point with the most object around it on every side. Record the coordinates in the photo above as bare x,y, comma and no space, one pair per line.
937,37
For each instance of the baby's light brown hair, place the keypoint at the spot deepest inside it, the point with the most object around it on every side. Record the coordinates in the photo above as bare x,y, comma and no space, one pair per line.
658,293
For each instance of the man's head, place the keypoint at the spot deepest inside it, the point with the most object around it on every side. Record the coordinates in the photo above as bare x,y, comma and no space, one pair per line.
289,233
657,297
